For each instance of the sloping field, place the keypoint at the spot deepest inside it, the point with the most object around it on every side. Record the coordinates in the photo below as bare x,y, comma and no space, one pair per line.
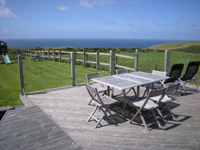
169,46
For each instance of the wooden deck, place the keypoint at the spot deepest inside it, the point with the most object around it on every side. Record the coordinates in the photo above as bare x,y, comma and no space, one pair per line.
68,107
32,129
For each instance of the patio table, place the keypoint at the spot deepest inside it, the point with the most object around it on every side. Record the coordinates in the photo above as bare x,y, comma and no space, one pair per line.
129,80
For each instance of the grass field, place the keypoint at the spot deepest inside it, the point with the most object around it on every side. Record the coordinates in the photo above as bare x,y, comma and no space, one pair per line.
40,75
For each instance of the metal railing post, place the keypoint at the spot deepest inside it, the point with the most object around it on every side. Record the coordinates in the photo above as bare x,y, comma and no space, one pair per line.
136,59
112,62
21,77
167,61
73,62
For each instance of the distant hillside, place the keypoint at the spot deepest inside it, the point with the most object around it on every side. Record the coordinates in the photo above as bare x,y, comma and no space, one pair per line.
189,47
169,46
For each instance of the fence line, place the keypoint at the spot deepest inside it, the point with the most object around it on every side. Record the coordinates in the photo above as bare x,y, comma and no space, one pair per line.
113,60
58,55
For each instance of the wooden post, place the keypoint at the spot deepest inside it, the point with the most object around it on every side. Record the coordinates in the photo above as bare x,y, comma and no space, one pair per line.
112,62
97,61
44,55
48,55
84,59
21,78
59,55
136,59
167,61
73,63
116,60
54,55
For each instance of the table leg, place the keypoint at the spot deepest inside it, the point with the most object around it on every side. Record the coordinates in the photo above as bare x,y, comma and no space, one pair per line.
124,101
108,88
148,88
138,92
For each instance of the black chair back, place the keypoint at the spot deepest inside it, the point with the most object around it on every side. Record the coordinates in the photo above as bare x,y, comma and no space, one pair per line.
175,73
191,70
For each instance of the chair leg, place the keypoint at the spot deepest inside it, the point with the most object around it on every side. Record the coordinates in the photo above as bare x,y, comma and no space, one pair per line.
196,85
144,122
112,116
161,116
92,113
137,113
98,122
159,125
172,115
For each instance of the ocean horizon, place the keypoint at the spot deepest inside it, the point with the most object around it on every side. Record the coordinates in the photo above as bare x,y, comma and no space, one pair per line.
89,43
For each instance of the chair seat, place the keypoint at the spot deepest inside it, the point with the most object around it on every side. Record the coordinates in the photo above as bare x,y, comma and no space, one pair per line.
165,99
100,87
138,103
108,100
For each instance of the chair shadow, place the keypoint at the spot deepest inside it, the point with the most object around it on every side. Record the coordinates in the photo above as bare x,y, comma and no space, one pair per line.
129,113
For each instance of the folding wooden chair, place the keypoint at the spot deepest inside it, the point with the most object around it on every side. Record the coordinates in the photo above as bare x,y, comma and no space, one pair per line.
171,90
191,70
101,88
146,104
102,103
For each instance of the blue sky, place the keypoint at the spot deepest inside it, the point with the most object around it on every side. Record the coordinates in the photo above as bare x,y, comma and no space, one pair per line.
127,19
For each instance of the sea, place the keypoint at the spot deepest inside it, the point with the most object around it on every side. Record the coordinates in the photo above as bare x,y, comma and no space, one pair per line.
86,43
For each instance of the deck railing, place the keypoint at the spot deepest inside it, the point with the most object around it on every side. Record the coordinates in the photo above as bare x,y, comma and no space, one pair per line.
74,57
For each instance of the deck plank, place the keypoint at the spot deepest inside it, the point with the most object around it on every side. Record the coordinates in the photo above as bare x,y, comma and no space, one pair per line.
31,128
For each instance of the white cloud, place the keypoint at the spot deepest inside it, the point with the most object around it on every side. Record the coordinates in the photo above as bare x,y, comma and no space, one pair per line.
4,11
5,31
91,3
62,7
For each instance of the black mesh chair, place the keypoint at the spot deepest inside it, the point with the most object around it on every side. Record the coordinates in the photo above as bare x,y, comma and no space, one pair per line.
190,72
175,73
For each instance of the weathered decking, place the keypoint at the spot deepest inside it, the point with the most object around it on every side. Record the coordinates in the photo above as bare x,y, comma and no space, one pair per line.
32,129
68,107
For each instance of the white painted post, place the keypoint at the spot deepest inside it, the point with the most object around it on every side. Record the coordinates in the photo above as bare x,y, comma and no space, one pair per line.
112,62
136,59
167,61
21,78
73,63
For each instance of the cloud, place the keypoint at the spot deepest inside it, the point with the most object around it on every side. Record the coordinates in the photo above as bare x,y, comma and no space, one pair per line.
132,1
111,22
131,25
140,16
5,11
62,7
5,31
92,3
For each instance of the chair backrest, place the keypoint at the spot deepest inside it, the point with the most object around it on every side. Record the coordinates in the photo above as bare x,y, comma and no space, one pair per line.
172,89
153,93
159,73
191,70
175,73
93,92
121,71
91,76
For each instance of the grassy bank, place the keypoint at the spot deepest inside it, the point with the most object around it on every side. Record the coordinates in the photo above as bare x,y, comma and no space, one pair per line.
189,46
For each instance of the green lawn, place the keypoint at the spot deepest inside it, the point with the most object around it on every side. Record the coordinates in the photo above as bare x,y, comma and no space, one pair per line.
38,75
